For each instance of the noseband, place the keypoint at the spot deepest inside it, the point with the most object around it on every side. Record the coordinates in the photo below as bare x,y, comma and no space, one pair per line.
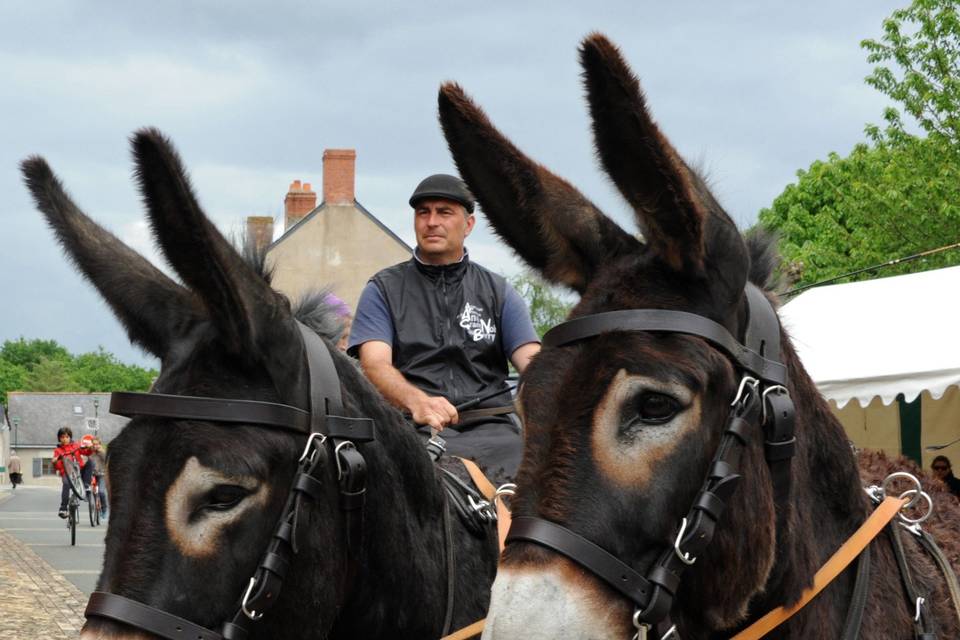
328,432
762,399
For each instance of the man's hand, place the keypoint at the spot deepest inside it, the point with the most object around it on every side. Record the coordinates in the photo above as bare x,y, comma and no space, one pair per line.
433,411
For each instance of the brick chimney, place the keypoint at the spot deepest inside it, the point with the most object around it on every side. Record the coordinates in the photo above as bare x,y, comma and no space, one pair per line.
260,230
338,175
300,201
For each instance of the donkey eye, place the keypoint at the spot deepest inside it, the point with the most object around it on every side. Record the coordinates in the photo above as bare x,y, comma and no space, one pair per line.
224,497
655,408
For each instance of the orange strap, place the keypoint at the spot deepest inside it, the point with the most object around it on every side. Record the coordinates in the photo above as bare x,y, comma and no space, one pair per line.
486,488
467,632
850,549
503,526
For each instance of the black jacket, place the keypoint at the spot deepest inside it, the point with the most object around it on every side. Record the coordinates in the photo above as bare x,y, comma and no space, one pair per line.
447,328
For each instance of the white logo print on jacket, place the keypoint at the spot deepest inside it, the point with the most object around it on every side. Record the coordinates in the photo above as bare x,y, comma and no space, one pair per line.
471,319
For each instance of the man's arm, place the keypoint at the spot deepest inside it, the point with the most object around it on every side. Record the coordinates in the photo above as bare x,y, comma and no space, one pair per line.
376,359
522,354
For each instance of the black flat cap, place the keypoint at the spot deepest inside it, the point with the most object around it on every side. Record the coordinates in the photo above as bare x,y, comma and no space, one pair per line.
441,185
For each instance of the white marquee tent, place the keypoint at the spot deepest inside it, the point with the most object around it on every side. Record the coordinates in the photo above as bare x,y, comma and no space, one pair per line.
871,341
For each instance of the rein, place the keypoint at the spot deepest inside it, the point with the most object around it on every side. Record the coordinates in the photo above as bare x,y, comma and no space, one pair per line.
762,399
328,432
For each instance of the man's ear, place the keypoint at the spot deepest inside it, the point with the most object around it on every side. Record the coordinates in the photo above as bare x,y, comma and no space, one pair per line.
471,223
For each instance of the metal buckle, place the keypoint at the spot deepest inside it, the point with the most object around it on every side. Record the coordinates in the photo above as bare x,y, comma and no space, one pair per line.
310,441
779,388
682,555
920,603
336,455
753,382
482,507
253,615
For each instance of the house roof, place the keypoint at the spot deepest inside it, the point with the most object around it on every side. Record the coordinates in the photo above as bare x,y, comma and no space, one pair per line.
35,417
356,205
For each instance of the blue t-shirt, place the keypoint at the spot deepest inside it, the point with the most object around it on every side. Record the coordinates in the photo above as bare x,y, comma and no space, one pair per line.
372,321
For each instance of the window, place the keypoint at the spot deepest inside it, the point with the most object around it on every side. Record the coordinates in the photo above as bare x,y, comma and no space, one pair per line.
46,467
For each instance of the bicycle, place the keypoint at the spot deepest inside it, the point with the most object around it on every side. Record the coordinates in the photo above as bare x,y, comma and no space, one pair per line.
93,502
72,470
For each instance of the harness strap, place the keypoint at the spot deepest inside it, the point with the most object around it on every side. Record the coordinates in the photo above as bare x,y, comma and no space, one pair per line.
663,320
474,629
849,550
921,622
160,623
851,626
926,540
451,568
504,517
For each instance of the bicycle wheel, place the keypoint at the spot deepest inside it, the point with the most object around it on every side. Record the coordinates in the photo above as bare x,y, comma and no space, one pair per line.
92,508
72,470
73,518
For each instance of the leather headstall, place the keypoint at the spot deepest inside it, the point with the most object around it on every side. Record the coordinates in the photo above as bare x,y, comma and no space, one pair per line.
329,434
762,399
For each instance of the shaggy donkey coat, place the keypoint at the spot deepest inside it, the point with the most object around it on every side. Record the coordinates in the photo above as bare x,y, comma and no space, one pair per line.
194,503
620,428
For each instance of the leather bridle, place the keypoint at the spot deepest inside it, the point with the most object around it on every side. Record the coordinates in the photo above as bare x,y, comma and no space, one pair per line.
328,433
762,400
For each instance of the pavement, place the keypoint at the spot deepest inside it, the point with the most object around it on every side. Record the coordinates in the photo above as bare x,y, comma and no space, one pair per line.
44,582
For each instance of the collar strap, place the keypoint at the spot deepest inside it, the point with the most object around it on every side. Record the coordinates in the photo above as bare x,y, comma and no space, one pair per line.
762,332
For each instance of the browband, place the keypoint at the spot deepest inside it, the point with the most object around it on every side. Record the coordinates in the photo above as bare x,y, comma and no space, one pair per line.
665,320
161,405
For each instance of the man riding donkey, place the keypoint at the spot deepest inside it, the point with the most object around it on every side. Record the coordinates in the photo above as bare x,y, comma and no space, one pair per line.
436,332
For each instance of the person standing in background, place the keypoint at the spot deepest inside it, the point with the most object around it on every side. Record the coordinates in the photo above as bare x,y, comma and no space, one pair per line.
14,468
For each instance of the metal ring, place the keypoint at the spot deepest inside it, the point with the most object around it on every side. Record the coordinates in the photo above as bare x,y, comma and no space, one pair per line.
253,615
906,476
753,382
763,405
336,455
642,628
921,494
671,633
306,449
920,603
684,556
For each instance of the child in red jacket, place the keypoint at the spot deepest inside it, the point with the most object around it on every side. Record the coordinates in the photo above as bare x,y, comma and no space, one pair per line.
76,451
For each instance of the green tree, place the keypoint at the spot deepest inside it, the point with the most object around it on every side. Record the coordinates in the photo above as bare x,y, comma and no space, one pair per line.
28,353
12,378
917,65
50,374
899,195
548,306
877,204
45,365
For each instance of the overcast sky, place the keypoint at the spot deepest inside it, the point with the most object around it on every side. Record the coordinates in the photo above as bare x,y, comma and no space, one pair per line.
252,92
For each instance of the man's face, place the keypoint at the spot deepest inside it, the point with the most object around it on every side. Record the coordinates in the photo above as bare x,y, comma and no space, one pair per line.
441,227
940,469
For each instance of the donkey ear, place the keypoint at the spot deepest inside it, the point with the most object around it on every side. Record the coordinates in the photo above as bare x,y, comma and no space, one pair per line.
550,224
203,258
148,304
645,167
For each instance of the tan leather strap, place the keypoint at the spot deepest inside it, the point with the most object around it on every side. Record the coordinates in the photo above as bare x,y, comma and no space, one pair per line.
474,629
503,526
489,492
850,549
